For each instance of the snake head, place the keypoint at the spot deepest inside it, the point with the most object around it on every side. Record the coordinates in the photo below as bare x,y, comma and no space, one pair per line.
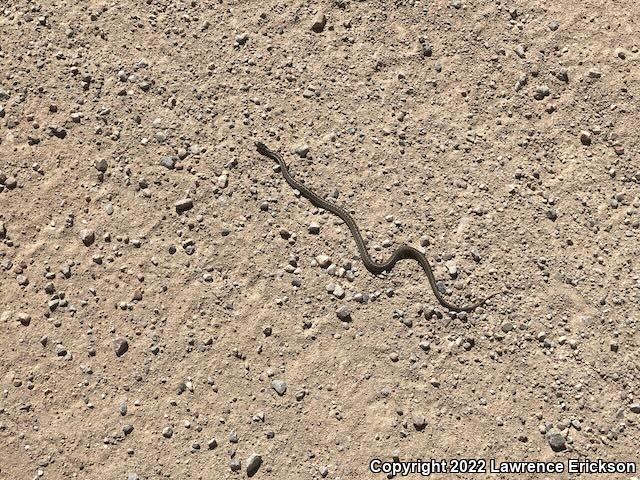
262,148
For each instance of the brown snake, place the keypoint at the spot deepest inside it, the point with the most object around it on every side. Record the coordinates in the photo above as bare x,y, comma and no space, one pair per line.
403,252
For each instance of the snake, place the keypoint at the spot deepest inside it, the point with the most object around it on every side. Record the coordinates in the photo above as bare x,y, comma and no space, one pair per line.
403,252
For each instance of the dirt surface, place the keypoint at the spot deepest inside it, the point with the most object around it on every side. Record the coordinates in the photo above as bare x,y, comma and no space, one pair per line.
163,312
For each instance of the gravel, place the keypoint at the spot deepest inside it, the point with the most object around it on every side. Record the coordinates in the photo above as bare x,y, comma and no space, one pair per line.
120,346
319,22
184,205
253,464
87,236
279,386
556,441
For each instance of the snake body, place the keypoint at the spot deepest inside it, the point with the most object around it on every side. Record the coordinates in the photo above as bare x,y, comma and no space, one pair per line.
404,252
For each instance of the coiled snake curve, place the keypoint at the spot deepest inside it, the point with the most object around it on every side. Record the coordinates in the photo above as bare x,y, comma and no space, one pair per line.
404,252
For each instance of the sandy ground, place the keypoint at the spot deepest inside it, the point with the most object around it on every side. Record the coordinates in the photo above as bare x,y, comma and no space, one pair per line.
163,313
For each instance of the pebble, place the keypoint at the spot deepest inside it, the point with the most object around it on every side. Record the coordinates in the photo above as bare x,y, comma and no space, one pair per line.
314,228
319,22
302,150
279,386
585,137
120,345
241,39
541,92
426,48
211,444
594,73
419,422
183,205
234,465
343,314
635,407
168,162
24,319
122,409
101,165
556,441
253,464
127,429
167,432
11,183
323,260
563,75
87,236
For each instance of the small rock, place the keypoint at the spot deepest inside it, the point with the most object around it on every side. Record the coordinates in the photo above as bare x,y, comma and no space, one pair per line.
211,444
253,464
595,73
426,48
234,465
585,137
507,327
635,407
24,319
168,162
241,38
120,345
319,22
3,230
554,25
183,205
279,386
541,92
323,260
314,228
302,150
419,422
167,432
563,75
87,236
343,314
556,441
127,429
452,269
101,165
11,183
